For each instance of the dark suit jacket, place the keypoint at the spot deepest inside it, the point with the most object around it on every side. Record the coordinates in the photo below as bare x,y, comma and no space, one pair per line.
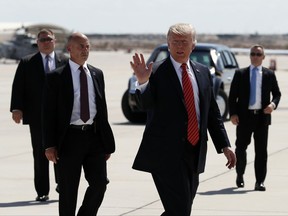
165,137
58,105
28,84
240,93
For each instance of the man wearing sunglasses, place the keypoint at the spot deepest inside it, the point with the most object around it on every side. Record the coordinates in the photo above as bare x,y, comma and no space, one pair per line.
26,102
251,105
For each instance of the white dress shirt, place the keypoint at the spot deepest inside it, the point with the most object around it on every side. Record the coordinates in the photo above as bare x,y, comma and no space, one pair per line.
75,117
258,102
52,63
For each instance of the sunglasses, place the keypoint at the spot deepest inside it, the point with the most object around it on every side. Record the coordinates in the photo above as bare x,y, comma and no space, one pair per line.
256,54
42,40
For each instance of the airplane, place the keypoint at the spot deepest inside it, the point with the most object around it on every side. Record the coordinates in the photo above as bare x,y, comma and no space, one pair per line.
23,41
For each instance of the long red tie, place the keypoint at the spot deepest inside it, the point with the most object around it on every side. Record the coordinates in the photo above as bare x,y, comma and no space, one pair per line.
192,131
84,102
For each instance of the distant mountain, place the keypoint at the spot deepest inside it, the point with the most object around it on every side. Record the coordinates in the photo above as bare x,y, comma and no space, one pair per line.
150,41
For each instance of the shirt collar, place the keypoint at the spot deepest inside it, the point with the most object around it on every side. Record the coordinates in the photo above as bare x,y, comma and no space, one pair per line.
252,67
74,66
177,65
52,55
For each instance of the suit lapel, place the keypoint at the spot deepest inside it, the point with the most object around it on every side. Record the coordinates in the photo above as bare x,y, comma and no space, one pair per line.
58,61
174,78
198,77
246,79
199,80
264,83
96,81
67,83
39,64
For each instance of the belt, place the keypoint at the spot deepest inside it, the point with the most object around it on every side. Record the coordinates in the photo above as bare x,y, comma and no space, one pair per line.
255,112
84,127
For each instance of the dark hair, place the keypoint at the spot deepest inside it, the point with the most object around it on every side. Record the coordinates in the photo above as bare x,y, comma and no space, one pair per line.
45,31
257,46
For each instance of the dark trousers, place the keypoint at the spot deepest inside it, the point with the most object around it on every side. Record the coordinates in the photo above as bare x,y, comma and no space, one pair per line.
79,151
41,164
260,135
177,186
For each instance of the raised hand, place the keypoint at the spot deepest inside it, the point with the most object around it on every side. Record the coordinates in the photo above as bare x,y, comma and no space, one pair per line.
142,72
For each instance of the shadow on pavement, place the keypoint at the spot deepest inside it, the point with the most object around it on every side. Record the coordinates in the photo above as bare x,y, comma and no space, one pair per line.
233,190
25,203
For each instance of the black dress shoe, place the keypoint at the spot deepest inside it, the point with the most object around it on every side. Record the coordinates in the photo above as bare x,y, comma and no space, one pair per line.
43,198
259,187
240,181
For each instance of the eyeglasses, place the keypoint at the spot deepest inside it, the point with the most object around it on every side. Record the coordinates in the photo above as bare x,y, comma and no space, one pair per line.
42,40
256,54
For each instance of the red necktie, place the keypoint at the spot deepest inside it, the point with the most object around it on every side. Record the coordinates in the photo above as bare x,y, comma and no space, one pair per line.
84,102
192,131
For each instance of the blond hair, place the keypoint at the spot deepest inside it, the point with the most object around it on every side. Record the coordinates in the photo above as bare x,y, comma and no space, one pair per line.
182,29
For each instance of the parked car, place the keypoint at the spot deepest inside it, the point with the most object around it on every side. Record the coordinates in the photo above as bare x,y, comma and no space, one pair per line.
218,58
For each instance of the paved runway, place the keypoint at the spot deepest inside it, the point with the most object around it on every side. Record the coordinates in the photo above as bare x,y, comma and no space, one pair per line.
130,192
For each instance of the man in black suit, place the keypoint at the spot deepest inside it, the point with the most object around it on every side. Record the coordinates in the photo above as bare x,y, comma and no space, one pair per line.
26,102
75,139
166,151
250,107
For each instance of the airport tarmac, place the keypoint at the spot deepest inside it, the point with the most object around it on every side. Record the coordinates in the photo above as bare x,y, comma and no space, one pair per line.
130,192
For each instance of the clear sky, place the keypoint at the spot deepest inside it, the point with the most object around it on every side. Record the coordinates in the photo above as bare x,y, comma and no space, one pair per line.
152,16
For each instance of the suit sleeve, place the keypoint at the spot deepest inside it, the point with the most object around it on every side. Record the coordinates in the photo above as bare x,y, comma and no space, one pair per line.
233,95
49,111
17,96
102,123
216,126
276,94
